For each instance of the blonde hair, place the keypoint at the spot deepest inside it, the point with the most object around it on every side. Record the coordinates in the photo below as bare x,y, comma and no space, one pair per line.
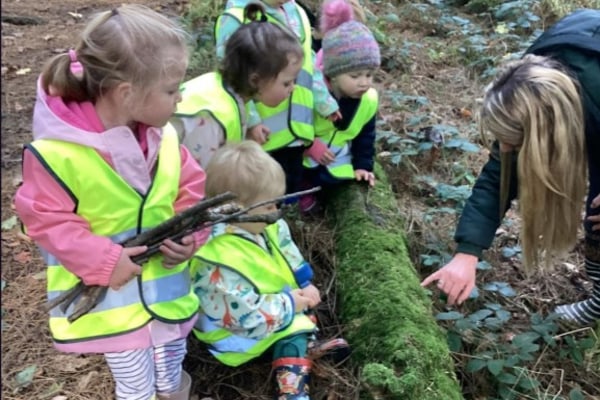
535,105
131,43
245,169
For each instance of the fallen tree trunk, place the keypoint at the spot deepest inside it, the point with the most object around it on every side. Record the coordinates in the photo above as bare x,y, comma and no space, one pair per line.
400,350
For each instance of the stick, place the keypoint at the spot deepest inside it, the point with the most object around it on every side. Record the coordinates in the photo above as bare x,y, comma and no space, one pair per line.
206,213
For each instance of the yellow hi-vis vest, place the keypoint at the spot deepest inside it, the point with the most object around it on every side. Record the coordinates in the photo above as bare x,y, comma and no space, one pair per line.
268,273
207,93
339,142
116,210
293,118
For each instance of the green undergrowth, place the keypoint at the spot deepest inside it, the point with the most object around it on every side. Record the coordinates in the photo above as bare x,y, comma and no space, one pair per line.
401,351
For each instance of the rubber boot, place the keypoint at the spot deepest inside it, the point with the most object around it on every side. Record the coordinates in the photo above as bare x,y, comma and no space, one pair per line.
292,378
184,389
587,311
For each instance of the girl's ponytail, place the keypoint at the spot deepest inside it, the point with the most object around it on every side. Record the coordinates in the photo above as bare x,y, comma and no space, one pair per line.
65,76
254,12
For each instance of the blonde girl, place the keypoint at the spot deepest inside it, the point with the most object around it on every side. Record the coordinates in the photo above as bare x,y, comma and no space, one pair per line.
101,170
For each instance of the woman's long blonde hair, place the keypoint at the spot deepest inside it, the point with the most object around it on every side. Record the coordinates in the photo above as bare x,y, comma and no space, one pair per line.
535,106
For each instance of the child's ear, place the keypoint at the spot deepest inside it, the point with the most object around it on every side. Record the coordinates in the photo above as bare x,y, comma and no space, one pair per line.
253,80
124,92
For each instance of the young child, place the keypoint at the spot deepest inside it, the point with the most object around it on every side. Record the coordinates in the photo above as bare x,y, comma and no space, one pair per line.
252,281
213,110
289,127
101,170
344,149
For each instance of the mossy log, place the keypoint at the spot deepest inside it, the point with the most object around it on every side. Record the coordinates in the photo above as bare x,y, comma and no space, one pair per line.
398,347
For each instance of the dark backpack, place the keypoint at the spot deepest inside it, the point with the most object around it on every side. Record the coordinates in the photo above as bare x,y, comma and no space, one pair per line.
575,41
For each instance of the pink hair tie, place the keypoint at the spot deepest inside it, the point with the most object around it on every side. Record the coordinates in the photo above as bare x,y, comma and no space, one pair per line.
76,68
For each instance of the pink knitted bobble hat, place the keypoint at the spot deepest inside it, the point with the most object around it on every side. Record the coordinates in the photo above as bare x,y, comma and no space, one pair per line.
347,45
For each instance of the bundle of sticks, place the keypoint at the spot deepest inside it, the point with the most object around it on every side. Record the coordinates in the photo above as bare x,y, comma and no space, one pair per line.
208,212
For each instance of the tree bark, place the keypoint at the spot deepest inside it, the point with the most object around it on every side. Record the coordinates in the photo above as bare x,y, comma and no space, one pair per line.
397,345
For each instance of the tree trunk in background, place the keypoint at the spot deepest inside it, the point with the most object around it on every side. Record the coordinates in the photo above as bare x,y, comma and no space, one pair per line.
401,351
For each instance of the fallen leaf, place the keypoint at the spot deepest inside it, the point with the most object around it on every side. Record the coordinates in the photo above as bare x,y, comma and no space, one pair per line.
10,223
75,15
570,267
23,71
23,257
16,182
84,382
59,398
24,377
70,363
466,113
18,107
501,29
23,237
52,391
39,276
48,37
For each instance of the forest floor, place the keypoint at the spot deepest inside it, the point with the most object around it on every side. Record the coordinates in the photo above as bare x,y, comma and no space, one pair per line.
430,83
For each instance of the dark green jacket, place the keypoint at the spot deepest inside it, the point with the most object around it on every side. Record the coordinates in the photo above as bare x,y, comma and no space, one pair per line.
574,40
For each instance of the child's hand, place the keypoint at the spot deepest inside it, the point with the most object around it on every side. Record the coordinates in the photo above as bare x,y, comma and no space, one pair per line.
300,300
126,270
337,115
327,158
258,133
313,294
595,218
363,175
320,153
175,253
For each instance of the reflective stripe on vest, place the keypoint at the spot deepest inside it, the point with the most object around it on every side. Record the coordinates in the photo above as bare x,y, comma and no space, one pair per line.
293,118
207,93
159,293
250,260
339,142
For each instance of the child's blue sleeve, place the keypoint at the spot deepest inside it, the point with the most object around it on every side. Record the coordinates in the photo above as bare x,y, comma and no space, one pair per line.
324,102
304,275
303,271
253,115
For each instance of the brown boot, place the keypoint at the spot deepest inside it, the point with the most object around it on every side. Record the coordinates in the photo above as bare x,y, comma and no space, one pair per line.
184,389
292,377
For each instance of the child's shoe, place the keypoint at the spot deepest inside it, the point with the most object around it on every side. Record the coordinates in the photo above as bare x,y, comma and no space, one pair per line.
307,202
292,377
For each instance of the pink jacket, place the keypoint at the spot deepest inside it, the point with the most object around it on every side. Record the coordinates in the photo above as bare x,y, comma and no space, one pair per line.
47,210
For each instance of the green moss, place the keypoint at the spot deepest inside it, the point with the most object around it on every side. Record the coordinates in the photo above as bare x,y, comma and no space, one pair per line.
397,344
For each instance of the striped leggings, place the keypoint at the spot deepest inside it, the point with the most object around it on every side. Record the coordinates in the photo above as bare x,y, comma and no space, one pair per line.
587,311
140,374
